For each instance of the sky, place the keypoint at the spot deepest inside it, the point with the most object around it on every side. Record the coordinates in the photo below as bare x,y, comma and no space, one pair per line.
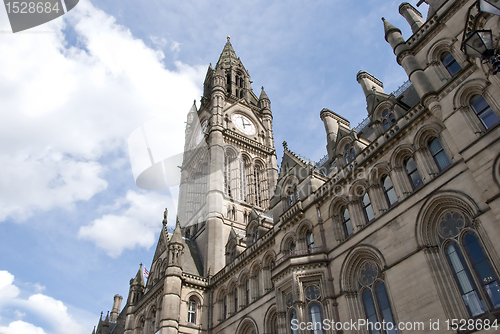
74,226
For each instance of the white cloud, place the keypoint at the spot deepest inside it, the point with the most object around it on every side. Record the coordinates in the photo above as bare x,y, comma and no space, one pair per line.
63,107
21,327
42,307
8,291
137,220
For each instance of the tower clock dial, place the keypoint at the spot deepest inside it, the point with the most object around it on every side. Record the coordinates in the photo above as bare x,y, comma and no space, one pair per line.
201,132
243,123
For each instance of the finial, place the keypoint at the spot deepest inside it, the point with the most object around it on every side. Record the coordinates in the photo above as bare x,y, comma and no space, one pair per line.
228,38
383,18
262,87
285,145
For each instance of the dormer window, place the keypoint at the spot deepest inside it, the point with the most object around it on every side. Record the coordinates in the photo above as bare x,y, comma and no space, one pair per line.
388,119
349,153
255,234
233,252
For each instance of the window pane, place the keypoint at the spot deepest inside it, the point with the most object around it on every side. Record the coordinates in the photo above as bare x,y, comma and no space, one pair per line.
464,280
370,312
438,153
483,111
450,63
489,118
389,190
367,207
346,221
293,316
411,169
487,278
479,104
316,319
385,306
386,124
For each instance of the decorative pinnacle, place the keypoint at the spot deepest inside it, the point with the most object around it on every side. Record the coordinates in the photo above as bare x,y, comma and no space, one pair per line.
228,38
165,217
285,145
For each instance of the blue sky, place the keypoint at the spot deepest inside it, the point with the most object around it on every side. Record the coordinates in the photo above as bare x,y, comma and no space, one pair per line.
74,226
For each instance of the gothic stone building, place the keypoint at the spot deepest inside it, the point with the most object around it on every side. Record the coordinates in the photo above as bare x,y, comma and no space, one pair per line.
398,224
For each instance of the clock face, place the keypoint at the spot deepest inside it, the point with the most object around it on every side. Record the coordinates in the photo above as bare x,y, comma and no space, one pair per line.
243,123
201,132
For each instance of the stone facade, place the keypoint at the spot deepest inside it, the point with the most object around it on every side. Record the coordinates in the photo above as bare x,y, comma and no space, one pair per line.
399,223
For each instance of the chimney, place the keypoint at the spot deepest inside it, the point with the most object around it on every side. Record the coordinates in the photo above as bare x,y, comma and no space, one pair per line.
117,304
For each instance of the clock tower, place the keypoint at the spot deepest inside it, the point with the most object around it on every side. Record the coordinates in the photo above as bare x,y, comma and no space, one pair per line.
229,165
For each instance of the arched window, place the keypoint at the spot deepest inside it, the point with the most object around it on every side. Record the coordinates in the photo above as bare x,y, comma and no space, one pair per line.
388,119
255,234
316,318
346,221
349,153
192,311
224,308
375,300
233,253
235,299
294,323
367,208
389,192
438,153
450,63
290,200
309,240
258,194
474,274
234,176
413,174
483,111
247,292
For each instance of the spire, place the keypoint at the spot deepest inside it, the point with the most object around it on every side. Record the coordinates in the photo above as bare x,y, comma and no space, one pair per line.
264,102
176,247
388,28
139,278
228,56
177,236
263,95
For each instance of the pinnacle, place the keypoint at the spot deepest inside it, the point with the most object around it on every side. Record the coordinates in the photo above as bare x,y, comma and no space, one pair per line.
263,94
388,28
177,235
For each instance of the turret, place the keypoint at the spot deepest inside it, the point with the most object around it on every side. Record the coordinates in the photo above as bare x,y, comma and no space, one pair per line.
264,102
407,60
176,248
333,124
115,311
371,88
172,287
136,287
412,15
